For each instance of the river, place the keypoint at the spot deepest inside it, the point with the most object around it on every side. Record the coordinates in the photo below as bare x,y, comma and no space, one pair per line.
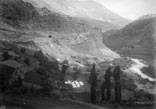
136,68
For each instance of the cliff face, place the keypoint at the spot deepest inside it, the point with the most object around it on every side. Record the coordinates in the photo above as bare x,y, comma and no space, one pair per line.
74,39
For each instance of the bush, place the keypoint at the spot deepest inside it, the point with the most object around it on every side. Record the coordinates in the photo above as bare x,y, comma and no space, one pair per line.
16,90
46,62
57,94
27,61
6,55
29,91
23,50
41,71
47,88
3,82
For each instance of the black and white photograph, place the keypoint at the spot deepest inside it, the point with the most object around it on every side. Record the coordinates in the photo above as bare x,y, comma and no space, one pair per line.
77,54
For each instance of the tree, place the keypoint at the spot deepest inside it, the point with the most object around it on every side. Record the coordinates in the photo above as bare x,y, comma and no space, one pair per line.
93,82
3,82
64,68
117,72
103,86
5,75
45,61
27,61
108,83
47,87
76,73
6,56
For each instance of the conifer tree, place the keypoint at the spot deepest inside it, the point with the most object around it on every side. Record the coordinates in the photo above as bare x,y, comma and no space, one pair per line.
117,72
93,80
64,68
108,84
103,91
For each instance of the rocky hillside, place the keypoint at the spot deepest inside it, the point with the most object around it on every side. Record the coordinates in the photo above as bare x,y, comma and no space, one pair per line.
83,9
57,35
134,40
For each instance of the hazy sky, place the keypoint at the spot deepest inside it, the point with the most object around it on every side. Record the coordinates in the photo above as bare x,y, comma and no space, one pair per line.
131,9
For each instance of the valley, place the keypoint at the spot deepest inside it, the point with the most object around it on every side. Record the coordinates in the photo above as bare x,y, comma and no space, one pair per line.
37,36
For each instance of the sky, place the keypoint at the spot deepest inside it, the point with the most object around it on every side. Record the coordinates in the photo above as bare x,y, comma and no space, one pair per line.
131,9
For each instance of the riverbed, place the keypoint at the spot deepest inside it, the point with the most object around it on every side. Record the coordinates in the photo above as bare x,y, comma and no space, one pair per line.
136,68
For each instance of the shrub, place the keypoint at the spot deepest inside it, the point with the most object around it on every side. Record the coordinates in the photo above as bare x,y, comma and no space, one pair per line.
6,55
23,50
25,90
41,71
57,94
46,62
3,82
47,88
27,61
16,90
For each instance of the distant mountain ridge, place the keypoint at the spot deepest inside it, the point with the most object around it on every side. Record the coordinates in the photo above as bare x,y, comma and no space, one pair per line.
148,16
82,9
134,40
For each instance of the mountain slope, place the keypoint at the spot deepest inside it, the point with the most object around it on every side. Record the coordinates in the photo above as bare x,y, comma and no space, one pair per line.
135,39
82,9
68,34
